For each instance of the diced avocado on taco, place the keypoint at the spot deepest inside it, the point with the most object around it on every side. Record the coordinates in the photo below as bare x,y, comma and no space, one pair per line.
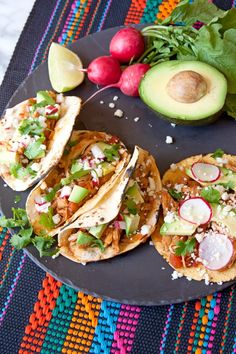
121,221
197,233
33,135
78,182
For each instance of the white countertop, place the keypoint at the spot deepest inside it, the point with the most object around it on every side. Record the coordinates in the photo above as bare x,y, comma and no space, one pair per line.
13,15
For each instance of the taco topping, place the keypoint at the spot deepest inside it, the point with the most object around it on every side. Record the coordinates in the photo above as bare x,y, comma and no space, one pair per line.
132,224
27,134
79,181
200,218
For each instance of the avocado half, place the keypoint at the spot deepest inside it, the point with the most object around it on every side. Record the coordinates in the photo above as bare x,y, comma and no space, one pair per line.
184,92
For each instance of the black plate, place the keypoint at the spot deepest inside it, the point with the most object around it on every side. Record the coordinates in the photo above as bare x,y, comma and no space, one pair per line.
136,277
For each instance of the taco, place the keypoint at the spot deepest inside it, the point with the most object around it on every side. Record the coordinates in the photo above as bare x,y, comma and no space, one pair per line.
123,220
197,233
33,135
91,164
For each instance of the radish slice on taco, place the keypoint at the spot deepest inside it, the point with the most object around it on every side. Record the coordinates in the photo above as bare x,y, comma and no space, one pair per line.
123,220
89,167
33,135
197,233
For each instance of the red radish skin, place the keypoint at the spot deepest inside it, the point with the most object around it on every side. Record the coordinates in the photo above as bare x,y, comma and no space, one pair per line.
198,204
211,173
131,78
127,44
104,71
129,81
216,251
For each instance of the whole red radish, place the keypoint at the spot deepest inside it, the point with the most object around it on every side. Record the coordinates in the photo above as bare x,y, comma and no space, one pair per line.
127,43
131,78
104,71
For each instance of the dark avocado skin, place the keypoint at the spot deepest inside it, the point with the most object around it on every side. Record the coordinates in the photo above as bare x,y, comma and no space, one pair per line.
208,120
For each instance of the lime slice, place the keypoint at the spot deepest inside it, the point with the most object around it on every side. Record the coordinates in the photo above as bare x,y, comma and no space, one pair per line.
63,68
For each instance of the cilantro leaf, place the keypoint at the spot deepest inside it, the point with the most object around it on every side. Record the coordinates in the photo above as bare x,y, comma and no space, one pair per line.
72,143
46,220
22,238
112,153
210,194
174,194
34,150
30,126
185,247
76,175
51,195
18,171
199,10
17,199
41,104
218,153
19,219
44,244
131,206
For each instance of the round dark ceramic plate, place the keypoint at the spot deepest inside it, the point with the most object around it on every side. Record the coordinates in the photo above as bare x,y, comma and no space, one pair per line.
141,276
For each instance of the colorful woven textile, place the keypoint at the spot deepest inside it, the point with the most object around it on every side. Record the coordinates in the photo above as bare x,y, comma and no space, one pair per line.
39,314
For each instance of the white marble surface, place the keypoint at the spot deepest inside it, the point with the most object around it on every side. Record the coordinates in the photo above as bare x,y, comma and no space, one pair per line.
13,15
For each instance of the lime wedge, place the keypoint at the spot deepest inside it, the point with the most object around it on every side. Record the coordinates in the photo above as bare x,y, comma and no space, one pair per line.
63,68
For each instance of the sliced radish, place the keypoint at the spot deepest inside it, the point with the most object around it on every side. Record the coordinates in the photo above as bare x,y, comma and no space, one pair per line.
42,208
205,172
216,251
195,210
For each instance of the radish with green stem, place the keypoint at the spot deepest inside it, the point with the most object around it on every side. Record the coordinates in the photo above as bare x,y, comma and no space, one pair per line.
128,82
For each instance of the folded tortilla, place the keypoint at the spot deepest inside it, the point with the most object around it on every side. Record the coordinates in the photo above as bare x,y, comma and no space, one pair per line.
142,173
174,177
78,167
19,172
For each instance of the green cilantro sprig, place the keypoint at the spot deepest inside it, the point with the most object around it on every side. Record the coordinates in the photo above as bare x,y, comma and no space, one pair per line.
25,235
174,194
218,153
210,194
185,247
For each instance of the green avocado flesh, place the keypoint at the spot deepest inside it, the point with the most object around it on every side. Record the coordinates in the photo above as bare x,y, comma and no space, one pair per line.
78,193
155,92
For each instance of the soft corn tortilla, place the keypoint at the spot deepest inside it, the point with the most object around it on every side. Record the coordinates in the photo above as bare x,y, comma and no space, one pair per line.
70,108
85,138
114,200
175,175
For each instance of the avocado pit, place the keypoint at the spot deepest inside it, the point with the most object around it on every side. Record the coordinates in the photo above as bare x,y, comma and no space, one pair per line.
187,87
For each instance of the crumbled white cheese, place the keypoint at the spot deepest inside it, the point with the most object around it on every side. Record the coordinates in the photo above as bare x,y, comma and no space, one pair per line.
136,119
60,98
115,98
42,208
225,196
101,102
112,105
170,217
5,185
150,125
119,113
152,184
169,139
163,268
199,237
219,282
173,125
151,243
176,275
173,167
35,166
178,187
56,219
221,161
145,229
189,278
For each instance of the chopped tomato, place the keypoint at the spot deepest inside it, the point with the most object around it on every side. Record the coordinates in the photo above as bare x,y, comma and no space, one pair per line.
114,140
176,261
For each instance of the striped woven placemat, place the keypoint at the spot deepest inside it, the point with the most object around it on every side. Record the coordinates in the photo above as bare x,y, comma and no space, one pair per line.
39,314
